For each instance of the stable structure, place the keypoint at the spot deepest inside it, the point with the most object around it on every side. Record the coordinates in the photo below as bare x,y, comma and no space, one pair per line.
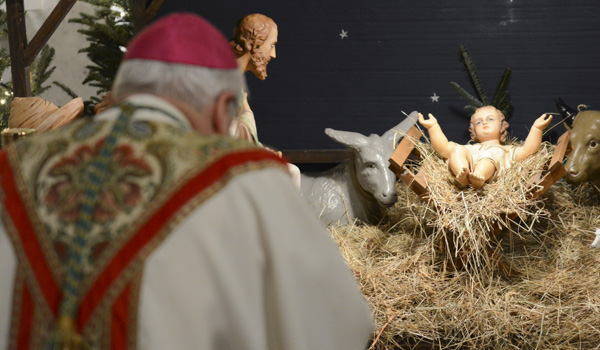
22,52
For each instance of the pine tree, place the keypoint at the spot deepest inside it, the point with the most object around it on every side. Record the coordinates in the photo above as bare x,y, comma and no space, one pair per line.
5,87
107,30
6,90
501,99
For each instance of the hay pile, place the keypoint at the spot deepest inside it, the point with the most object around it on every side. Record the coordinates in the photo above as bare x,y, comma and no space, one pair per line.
464,219
419,302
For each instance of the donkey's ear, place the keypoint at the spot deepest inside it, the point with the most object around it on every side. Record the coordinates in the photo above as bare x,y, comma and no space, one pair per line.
352,140
396,133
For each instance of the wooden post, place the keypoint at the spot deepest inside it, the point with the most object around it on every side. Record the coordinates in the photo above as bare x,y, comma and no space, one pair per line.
17,41
403,150
23,54
555,169
138,14
46,30
142,14
153,9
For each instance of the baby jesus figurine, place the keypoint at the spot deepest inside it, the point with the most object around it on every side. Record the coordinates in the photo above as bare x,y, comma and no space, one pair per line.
483,161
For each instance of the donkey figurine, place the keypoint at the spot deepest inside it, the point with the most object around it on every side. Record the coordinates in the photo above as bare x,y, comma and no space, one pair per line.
358,187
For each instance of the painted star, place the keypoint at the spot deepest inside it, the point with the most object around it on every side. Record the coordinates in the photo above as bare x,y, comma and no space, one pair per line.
434,98
343,34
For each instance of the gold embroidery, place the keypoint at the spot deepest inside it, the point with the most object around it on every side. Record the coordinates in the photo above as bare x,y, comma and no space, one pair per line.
173,157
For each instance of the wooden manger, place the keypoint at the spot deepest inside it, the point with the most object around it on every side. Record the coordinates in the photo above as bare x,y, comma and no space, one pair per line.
419,183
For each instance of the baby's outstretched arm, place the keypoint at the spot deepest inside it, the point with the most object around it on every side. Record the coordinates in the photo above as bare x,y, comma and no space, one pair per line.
438,139
534,139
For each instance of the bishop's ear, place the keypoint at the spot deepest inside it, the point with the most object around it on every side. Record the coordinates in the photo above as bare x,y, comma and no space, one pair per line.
222,115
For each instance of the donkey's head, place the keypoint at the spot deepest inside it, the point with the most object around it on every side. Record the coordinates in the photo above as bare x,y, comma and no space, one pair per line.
371,159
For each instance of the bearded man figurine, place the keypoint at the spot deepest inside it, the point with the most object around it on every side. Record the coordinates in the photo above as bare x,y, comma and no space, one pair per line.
254,39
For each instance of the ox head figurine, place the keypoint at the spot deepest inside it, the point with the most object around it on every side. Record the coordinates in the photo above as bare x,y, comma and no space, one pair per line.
583,164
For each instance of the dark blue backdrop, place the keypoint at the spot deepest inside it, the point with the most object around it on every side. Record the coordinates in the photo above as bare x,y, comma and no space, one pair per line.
397,54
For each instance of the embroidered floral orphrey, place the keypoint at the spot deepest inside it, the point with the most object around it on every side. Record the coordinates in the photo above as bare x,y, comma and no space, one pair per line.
155,168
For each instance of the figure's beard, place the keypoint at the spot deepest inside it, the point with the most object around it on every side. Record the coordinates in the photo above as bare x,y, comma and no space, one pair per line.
258,65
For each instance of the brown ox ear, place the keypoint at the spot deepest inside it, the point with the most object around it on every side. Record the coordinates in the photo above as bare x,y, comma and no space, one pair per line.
568,113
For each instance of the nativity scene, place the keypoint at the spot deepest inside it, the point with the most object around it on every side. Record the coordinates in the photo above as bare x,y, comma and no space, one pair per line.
148,215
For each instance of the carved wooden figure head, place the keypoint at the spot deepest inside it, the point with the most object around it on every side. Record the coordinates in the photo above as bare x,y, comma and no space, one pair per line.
583,164
254,39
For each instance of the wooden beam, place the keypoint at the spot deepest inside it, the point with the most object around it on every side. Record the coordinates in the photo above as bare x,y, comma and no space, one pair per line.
138,14
152,9
555,170
403,150
417,183
47,29
562,148
17,42
553,174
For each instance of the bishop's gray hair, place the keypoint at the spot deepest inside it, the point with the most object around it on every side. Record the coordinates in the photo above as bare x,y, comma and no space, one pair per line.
198,86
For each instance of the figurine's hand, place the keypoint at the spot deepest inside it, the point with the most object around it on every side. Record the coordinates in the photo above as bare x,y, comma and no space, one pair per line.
278,153
543,121
428,123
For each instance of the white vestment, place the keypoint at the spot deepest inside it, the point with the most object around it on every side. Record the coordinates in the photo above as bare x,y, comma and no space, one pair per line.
249,268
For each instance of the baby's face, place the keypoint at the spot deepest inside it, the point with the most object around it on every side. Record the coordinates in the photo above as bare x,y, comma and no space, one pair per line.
487,124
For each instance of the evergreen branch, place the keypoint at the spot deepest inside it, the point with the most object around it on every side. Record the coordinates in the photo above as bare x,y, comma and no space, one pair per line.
473,73
470,98
4,60
66,89
504,101
6,98
3,21
505,105
502,87
93,2
40,71
470,109
107,30
501,99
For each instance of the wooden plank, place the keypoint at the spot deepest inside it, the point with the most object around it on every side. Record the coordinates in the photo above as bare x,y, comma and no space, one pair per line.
138,14
317,156
17,39
152,9
556,171
417,183
403,150
46,30
562,148
555,168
